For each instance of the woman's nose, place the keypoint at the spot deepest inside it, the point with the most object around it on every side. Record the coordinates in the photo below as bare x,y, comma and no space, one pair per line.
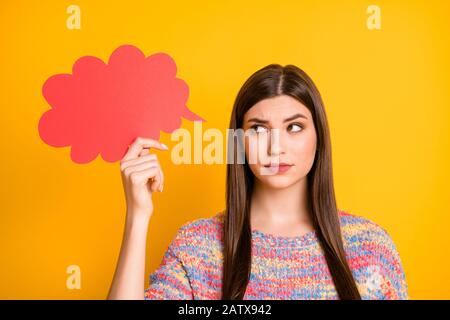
275,146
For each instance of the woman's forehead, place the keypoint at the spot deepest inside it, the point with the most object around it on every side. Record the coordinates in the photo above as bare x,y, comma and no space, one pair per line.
277,109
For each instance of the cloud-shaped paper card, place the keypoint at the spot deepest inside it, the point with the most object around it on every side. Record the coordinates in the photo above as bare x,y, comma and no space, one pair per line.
101,108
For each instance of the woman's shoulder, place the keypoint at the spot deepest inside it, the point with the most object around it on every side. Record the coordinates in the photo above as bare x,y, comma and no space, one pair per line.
370,246
358,229
354,228
201,230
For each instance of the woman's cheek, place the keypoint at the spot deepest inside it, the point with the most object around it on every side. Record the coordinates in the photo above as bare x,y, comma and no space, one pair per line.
303,154
256,150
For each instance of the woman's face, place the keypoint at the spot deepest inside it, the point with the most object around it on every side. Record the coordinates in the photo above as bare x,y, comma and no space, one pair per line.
284,134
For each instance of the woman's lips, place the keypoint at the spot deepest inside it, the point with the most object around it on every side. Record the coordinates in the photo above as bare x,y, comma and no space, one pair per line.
280,168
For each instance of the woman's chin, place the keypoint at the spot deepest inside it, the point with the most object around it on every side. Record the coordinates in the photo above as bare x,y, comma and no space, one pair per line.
277,181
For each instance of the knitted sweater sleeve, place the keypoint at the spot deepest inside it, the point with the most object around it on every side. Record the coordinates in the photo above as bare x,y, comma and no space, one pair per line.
393,281
170,280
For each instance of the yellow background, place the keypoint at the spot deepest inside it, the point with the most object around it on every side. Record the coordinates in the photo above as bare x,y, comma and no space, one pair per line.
385,93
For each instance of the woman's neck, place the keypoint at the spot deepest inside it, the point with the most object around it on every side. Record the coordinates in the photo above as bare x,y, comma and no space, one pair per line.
280,207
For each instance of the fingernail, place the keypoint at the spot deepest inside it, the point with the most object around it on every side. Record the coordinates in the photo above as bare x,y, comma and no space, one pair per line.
161,188
164,146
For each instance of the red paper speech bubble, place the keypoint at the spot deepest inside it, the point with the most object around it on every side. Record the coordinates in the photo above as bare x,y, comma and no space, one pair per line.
101,108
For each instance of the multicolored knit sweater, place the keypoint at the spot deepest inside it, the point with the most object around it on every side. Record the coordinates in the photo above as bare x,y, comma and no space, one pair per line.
282,267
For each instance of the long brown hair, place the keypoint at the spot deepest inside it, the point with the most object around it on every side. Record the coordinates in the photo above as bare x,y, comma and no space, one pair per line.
270,81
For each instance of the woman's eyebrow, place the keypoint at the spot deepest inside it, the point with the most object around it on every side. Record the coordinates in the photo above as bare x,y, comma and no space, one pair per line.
295,116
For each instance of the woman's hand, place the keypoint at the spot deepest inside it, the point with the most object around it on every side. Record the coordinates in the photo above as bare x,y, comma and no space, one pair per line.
141,175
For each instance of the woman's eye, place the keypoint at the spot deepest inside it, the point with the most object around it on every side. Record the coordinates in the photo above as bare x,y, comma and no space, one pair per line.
256,128
296,127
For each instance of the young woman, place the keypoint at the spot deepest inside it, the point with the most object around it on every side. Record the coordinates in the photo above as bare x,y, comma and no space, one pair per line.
281,235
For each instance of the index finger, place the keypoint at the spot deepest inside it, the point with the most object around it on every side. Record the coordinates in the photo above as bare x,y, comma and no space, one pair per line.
142,143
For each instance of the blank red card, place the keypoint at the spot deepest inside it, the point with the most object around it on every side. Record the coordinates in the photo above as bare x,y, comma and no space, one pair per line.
101,108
